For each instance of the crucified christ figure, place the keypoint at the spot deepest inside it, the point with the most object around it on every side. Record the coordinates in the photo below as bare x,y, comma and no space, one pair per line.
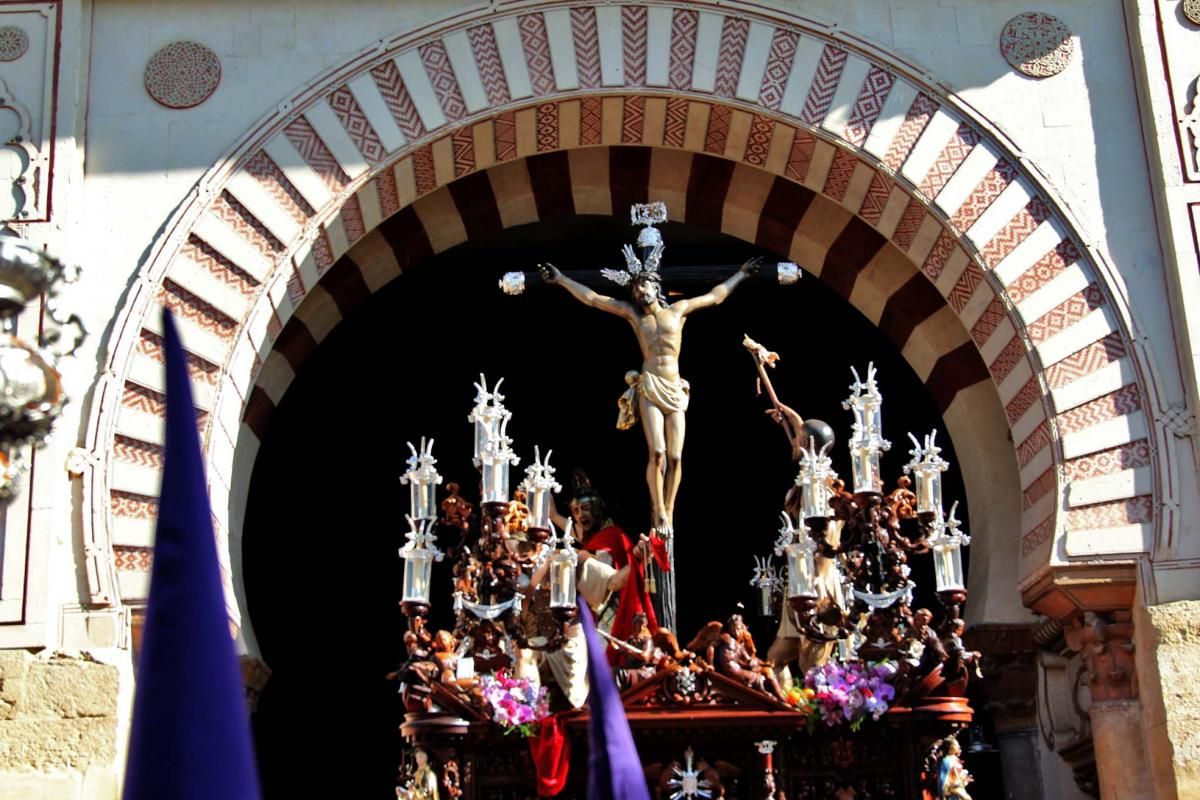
661,394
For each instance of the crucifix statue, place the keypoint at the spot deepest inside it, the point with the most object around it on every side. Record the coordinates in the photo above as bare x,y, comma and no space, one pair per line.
658,395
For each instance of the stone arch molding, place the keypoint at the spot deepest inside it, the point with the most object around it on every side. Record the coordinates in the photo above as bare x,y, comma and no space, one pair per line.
827,150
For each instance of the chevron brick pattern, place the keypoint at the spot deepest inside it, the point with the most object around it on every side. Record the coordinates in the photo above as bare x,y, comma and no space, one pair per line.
352,219
965,287
633,44
1127,456
132,559
399,102
389,196
230,211
505,132
675,128
316,154
1042,533
196,310
295,288
685,23
779,67
135,506
1044,270
840,172
1023,401
426,178
586,37
351,115
487,59
824,85
800,156
1066,313
910,222
591,121
1034,443
988,321
1086,361
734,33
462,143
633,120
441,75
1012,234
949,160
141,399
1042,485
1007,361
1132,511
758,144
271,177
536,45
322,252
1123,401
135,451
219,266
867,107
919,113
718,130
876,199
547,126
984,194
150,344
935,262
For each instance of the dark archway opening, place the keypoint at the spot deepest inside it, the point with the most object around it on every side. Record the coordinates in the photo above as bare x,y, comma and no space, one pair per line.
325,515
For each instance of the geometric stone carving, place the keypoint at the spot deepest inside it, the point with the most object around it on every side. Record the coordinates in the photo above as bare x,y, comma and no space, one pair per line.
1191,132
1179,420
13,43
182,74
1037,44
1191,10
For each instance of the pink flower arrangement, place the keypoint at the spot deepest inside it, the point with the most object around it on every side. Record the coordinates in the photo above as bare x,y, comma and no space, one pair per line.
516,704
851,692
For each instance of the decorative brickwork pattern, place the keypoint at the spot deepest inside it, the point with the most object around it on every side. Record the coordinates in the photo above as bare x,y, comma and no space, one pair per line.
302,136
949,160
919,113
441,75
685,23
1128,456
398,100
867,107
779,67
824,85
537,53
587,46
1086,361
1125,400
487,59
734,33
271,178
351,115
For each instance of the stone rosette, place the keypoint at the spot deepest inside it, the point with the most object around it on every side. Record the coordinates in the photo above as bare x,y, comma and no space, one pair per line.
14,42
1036,44
182,74
1191,10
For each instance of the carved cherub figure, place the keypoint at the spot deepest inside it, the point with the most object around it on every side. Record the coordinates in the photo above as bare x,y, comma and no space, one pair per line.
456,511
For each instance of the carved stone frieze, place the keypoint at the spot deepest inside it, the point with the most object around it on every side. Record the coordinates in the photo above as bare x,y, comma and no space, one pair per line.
1105,641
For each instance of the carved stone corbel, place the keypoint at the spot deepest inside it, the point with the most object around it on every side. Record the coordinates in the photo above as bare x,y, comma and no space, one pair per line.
1105,641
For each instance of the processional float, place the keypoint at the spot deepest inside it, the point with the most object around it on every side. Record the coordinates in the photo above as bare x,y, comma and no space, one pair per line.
869,663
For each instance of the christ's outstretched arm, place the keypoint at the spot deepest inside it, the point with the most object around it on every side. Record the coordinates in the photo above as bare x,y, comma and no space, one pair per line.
717,295
589,297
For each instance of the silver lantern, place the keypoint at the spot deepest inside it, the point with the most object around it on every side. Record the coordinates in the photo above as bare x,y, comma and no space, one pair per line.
422,479
947,543
927,467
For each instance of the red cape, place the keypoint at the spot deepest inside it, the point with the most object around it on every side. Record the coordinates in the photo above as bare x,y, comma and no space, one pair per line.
634,598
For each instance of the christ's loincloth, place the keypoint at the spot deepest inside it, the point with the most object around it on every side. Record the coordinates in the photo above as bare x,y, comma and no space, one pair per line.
667,396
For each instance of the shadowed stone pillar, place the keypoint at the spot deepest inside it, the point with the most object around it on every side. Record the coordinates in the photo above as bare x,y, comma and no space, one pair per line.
1105,642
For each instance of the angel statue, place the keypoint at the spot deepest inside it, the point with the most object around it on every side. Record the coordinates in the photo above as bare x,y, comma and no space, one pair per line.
660,393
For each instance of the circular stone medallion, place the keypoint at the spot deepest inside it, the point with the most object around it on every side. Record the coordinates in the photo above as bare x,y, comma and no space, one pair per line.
1037,44
13,43
182,74
1191,10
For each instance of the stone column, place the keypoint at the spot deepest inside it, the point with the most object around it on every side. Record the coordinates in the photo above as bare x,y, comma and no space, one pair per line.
1105,642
